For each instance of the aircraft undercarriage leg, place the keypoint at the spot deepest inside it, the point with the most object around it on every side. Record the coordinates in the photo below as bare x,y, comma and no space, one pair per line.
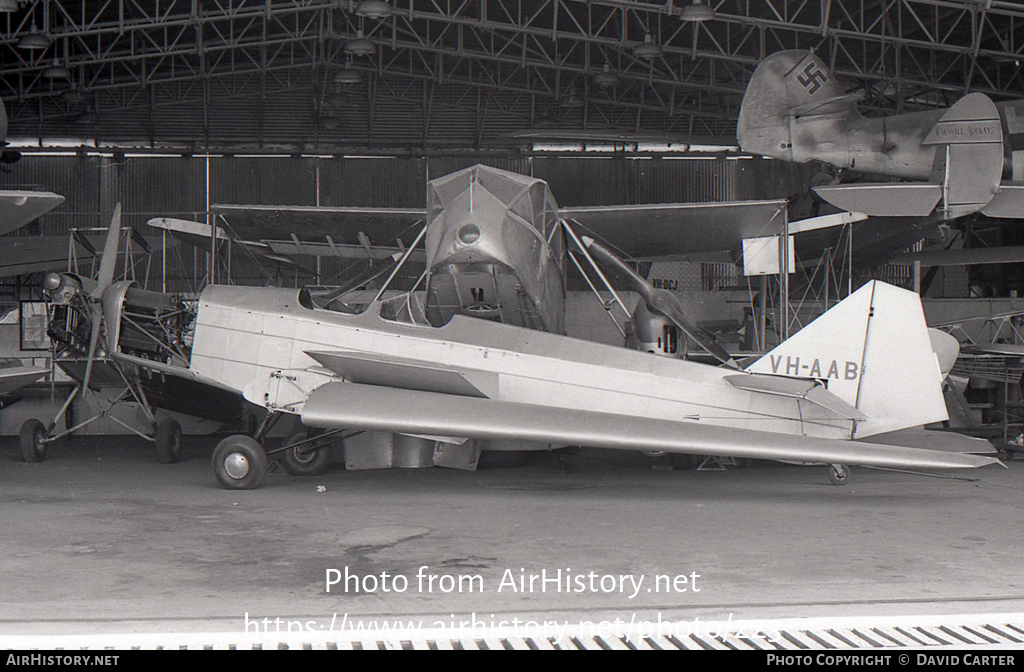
838,474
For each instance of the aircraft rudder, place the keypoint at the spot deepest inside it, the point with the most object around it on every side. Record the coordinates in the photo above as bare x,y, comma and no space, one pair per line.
873,350
784,85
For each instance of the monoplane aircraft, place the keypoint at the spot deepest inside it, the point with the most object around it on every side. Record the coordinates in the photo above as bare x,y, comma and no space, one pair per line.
956,160
479,354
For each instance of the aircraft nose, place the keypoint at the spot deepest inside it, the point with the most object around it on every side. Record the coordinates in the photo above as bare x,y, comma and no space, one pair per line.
468,234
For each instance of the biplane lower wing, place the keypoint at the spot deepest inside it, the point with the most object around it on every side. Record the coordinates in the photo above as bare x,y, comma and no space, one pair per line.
320,223
372,407
16,377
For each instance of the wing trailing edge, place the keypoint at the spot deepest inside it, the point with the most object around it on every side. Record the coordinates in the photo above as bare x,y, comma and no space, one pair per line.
377,408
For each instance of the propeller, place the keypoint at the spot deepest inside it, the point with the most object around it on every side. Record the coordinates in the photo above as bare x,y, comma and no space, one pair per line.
659,301
108,265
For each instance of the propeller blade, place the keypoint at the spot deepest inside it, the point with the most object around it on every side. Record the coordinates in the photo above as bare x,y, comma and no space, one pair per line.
94,339
108,264
660,301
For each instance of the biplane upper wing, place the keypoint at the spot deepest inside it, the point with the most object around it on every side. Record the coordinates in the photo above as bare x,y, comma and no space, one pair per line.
666,231
641,231
377,407
331,225
18,208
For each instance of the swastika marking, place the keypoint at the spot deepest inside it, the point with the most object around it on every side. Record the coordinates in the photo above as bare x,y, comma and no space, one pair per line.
812,78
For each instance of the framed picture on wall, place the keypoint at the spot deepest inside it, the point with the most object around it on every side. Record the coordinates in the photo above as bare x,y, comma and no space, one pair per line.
33,326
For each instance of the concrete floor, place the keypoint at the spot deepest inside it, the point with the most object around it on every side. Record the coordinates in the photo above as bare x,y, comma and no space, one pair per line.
101,538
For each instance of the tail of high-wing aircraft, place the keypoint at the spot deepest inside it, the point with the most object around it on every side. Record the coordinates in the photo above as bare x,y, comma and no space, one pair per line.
794,110
875,353
792,86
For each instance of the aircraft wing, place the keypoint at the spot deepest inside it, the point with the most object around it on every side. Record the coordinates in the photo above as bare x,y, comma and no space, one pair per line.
667,231
333,225
375,407
32,254
16,377
18,208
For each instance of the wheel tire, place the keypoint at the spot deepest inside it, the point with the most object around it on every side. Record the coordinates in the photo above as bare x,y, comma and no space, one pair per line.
32,441
168,441
239,462
838,474
307,460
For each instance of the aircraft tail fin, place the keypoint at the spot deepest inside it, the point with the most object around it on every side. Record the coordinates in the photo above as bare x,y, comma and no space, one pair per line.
872,350
785,86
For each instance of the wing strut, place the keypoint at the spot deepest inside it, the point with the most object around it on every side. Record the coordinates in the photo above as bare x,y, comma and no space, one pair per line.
658,300
398,266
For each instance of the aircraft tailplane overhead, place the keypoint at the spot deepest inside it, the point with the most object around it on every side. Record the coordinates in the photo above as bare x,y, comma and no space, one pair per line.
791,85
874,352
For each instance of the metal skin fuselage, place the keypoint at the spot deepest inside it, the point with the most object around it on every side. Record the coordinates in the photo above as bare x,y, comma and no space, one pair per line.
245,335
493,250
793,110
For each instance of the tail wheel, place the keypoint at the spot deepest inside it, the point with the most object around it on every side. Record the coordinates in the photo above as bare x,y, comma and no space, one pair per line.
32,441
168,441
239,462
308,459
838,474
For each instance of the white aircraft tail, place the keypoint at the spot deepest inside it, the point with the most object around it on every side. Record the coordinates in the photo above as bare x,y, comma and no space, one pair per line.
873,351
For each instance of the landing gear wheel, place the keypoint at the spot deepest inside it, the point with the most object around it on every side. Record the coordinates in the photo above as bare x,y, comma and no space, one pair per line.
239,462
168,441
838,474
308,459
33,441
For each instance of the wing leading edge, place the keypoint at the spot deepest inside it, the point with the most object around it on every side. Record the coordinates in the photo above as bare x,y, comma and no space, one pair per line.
372,407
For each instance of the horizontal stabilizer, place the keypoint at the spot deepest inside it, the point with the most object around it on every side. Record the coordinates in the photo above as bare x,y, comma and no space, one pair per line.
972,257
796,388
375,408
365,368
884,200
1008,202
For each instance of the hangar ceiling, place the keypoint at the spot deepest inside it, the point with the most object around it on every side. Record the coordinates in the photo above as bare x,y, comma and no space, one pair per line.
444,74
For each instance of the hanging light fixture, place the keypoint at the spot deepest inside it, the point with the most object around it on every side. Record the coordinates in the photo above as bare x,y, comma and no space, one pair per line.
648,49
373,9
359,46
606,78
34,40
572,102
338,98
56,71
72,96
348,75
698,11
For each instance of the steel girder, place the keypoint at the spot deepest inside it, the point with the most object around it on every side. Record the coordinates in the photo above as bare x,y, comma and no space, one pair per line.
507,59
